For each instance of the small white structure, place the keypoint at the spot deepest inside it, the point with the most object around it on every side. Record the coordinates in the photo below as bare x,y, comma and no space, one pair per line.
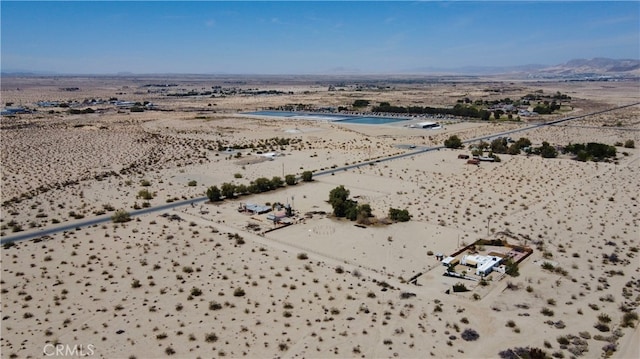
486,267
449,261
483,264
270,155
470,260
431,125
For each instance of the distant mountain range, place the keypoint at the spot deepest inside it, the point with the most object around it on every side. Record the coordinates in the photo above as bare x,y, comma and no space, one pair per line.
575,67
598,65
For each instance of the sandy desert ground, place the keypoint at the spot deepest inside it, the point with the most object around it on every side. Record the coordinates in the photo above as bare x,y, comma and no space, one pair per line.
206,280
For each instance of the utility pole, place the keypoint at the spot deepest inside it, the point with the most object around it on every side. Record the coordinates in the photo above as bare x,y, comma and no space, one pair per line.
488,224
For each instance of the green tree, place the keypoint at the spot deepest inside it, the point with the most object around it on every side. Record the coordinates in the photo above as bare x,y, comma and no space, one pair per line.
511,268
499,145
351,210
276,182
290,180
484,115
338,199
513,149
453,142
228,190
399,215
307,176
523,142
547,151
497,114
241,189
262,184
360,103
213,193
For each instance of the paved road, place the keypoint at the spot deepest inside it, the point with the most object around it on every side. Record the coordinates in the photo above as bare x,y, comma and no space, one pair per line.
94,221
107,218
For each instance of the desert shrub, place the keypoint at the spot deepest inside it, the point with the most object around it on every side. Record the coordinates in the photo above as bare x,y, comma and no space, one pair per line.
469,335
407,295
460,287
121,216
145,194
196,292
629,144
192,183
584,335
169,351
604,318
523,353
136,284
303,256
628,319
609,349
546,311
239,292
145,183
210,337
213,305
602,327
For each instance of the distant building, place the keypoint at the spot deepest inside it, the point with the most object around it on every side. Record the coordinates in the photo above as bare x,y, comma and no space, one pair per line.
254,208
14,111
428,125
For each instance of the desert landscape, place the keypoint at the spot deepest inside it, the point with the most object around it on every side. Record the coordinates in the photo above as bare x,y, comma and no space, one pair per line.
183,276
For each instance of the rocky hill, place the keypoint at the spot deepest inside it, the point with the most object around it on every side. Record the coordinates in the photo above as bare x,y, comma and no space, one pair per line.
596,65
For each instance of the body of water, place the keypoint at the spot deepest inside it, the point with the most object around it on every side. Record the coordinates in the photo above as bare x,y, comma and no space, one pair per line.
368,120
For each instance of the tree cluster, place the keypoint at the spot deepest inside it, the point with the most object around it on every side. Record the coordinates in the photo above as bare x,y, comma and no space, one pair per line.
501,145
344,207
591,151
229,190
360,103
459,109
546,107
267,143
75,111
546,150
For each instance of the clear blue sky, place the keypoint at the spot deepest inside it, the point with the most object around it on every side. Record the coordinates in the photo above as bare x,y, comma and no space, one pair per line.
303,37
